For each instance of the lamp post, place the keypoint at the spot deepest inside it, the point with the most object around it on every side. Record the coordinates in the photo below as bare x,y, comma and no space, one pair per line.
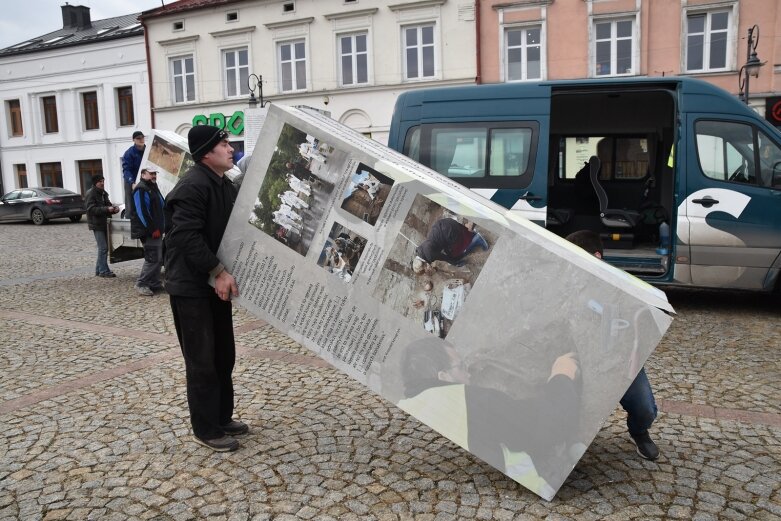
255,82
752,65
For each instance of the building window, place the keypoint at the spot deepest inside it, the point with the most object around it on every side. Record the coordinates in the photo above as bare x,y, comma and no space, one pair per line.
87,169
523,55
21,175
51,174
15,117
232,16
614,45
90,102
125,105
292,64
50,114
236,62
707,35
419,52
183,74
354,59
177,26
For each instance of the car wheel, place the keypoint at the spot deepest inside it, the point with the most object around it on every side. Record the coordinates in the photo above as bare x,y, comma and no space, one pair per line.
75,218
37,216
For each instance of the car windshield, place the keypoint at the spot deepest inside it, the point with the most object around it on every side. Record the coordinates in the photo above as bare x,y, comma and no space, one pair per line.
54,190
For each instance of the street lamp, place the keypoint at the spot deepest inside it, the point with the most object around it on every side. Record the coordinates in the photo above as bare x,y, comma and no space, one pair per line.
255,82
752,65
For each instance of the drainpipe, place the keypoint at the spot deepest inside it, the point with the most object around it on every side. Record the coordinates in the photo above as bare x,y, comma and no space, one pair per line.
478,60
149,74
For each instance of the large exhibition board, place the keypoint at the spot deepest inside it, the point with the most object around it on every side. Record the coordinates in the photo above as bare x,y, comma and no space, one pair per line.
509,341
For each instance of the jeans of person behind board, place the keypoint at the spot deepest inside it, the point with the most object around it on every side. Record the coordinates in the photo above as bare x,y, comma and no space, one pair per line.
101,266
639,404
153,262
204,326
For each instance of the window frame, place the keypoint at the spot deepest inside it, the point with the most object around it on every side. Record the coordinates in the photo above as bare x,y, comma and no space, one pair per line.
56,171
183,78
524,52
86,169
15,121
20,171
729,53
90,111
126,116
49,115
235,71
614,40
293,61
353,55
419,26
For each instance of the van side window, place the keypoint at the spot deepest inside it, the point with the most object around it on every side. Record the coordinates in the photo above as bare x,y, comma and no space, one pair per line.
459,152
769,162
412,144
480,151
623,158
726,151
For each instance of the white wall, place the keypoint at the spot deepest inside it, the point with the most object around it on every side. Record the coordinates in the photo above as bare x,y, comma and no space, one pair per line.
66,73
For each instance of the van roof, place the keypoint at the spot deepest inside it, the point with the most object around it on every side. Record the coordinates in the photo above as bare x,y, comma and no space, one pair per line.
695,95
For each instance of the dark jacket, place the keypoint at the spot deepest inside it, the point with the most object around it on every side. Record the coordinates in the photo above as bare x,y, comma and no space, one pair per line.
444,235
131,164
97,204
147,215
196,214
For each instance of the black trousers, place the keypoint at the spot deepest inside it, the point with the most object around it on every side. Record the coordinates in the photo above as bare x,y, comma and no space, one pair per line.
204,326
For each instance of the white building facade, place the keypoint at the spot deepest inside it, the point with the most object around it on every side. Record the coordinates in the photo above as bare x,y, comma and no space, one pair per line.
71,101
349,57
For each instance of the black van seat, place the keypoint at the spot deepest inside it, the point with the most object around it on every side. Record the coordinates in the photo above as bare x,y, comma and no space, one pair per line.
611,218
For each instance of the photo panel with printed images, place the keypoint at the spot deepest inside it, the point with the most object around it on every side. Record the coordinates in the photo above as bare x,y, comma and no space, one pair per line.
366,193
168,156
296,191
456,249
341,252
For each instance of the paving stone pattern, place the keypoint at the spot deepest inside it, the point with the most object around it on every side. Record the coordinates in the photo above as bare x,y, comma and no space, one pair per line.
94,420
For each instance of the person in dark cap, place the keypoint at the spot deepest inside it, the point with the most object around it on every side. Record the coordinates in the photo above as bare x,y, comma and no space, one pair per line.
99,208
131,163
196,215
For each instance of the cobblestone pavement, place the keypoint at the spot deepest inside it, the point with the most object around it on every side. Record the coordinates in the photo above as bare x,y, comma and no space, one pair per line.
94,422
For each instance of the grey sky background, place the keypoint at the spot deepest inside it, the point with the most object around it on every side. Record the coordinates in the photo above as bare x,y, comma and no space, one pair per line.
21,20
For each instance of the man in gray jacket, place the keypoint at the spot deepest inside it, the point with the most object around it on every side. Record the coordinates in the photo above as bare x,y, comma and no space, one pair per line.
99,208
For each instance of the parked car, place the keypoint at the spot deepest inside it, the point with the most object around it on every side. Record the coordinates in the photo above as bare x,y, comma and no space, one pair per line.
41,204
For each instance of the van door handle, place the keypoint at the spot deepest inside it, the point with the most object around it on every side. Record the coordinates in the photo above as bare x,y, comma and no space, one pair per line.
530,197
707,202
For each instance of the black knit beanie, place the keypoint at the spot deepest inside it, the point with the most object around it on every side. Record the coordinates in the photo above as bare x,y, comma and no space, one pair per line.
203,138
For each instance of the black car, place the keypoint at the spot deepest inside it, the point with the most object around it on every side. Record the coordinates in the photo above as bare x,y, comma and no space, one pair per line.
41,204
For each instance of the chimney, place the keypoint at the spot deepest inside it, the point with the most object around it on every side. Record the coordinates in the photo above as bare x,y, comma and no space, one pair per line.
75,17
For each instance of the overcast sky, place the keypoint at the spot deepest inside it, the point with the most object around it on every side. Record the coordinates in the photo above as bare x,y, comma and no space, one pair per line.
21,20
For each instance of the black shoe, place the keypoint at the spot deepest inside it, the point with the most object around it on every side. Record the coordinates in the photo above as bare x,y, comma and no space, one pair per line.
235,428
107,275
223,444
645,446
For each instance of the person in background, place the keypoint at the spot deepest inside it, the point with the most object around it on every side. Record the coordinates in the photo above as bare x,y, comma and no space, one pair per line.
638,401
197,210
131,163
147,222
99,208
